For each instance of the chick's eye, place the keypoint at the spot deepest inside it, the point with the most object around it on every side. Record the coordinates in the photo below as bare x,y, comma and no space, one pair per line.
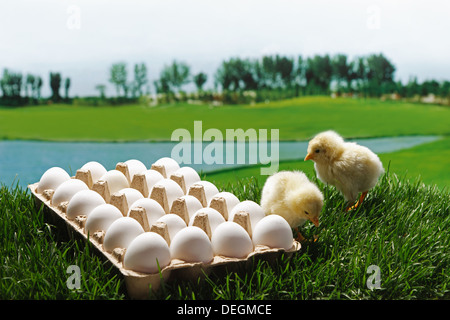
306,212
317,151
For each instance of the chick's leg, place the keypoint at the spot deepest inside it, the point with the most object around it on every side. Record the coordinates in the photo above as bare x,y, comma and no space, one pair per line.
300,237
360,201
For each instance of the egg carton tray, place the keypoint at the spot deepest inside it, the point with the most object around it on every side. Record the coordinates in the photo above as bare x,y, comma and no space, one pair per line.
138,284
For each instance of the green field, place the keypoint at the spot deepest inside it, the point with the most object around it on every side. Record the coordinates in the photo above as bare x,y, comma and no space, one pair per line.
297,119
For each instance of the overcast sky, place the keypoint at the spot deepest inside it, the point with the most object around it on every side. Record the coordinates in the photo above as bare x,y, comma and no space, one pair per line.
82,38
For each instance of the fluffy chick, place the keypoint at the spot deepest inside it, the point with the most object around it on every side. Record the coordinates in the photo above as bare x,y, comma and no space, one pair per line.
291,195
349,167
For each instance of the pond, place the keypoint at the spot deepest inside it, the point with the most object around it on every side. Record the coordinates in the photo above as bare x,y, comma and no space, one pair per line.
26,161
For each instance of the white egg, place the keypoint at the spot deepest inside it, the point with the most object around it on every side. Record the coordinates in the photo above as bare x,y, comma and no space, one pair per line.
116,181
152,177
135,167
97,170
146,252
230,202
191,244
173,190
82,203
231,240
169,164
214,218
174,223
210,189
192,204
189,175
230,199
131,196
101,218
52,179
121,232
67,190
254,210
273,231
152,208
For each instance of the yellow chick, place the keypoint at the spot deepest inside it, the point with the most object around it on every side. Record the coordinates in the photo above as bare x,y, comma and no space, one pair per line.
291,195
349,167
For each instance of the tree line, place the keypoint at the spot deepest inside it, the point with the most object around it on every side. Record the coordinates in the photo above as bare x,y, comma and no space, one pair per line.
239,80
18,89
272,77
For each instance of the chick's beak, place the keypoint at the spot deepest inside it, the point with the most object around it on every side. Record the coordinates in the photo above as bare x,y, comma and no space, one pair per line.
315,220
309,156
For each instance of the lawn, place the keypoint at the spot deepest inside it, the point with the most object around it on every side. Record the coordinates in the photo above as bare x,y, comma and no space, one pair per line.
297,119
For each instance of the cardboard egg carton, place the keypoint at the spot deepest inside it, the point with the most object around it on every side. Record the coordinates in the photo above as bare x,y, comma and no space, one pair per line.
138,283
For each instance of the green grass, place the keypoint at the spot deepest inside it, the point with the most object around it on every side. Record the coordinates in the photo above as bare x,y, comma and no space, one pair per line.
403,228
430,161
297,119
35,256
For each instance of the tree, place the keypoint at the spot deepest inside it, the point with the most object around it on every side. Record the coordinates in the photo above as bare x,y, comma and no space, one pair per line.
37,87
268,72
342,71
29,84
140,77
246,73
101,89
11,86
238,74
299,75
222,76
199,80
444,90
55,84
175,75
3,84
380,74
430,87
318,74
66,87
161,86
284,68
360,74
118,77
275,72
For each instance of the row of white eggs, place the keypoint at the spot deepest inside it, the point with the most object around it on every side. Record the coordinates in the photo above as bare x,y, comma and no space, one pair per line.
145,250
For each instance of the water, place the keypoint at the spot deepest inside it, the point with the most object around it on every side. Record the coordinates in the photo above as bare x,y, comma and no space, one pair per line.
26,161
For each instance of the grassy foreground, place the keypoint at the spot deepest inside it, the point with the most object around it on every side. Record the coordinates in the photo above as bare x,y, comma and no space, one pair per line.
403,228
296,119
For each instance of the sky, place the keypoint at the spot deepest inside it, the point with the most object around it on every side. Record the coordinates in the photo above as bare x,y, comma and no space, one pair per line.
83,38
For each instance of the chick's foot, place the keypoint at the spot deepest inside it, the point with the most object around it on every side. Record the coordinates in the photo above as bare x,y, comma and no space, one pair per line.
300,238
358,203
